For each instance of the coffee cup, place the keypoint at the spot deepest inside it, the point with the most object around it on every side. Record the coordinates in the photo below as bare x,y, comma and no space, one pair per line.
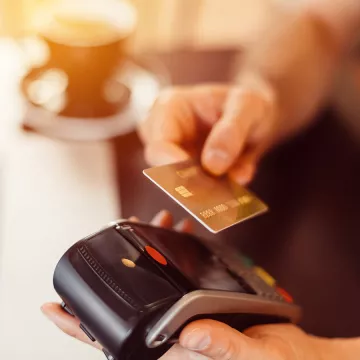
88,43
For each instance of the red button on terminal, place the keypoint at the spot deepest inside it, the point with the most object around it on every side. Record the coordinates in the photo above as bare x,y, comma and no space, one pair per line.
156,255
286,296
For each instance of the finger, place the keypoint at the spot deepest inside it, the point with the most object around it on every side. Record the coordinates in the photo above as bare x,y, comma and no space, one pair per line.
163,219
218,341
177,352
244,169
171,119
229,136
176,118
134,219
207,102
185,226
174,115
164,153
243,173
66,323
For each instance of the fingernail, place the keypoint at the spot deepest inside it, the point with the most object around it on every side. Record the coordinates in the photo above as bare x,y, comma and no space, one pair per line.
43,309
197,340
216,161
45,313
243,179
184,226
244,175
159,217
180,225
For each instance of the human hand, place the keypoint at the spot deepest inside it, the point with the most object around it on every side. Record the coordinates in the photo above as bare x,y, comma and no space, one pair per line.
211,340
228,126
207,339
284,78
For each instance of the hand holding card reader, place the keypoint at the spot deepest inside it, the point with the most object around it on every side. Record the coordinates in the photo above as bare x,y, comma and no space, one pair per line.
134,287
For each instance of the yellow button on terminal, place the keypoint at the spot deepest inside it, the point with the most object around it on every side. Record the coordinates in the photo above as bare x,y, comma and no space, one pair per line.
265,276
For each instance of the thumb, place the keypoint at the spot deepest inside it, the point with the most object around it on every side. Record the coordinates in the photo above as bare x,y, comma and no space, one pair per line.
243,112
218,341
243,171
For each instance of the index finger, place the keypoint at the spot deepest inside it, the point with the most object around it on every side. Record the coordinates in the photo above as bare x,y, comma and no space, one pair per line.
175,118
170,118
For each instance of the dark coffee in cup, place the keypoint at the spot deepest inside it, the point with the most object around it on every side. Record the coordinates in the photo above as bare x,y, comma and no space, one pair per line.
92,46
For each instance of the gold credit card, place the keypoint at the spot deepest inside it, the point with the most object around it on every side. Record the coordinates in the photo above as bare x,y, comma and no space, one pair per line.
217,203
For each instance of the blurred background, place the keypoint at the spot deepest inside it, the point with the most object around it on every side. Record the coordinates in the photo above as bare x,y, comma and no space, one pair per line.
75,79
47,38
162,24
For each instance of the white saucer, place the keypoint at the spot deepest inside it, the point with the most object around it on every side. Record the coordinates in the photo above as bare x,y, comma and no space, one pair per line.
144,82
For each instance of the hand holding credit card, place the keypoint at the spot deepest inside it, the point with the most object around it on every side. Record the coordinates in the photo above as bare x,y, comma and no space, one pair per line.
217,203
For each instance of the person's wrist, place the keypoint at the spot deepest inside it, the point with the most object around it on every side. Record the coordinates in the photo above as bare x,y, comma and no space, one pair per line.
300,87
342,17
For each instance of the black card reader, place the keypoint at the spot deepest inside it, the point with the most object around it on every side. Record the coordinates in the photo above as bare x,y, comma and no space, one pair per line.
134,287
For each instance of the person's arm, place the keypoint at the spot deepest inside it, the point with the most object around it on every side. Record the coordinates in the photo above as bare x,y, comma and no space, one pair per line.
298,54
341,16
285,77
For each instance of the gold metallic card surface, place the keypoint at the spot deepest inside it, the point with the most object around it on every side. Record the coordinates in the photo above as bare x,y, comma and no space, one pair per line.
217,203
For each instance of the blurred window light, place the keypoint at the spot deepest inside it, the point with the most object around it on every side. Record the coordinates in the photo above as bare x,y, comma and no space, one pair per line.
50,84
70,18
154,24
23,17
35,50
